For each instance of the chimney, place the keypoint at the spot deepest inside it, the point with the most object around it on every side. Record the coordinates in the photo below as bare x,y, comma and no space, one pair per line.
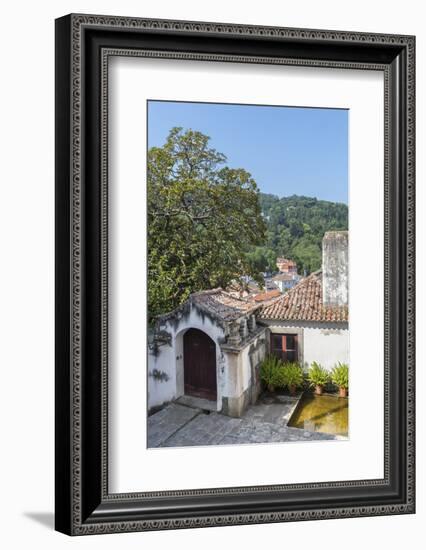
335,268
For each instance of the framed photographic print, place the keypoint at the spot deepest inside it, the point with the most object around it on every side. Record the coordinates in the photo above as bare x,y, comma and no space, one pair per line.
234,274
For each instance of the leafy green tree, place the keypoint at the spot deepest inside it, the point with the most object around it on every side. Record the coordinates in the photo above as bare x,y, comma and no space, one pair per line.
285,240
203,219
262,259
307,255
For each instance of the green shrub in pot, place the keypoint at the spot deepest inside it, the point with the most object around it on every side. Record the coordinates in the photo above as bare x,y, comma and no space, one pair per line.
318,377
272,373
293,376
340,377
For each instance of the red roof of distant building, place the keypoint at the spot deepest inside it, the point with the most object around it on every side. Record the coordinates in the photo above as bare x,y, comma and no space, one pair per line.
268,295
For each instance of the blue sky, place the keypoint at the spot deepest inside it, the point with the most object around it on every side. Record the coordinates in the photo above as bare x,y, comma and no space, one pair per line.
288,150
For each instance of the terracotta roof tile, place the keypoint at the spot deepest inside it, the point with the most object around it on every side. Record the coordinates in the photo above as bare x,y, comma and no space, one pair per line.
268,295
223,305
304,303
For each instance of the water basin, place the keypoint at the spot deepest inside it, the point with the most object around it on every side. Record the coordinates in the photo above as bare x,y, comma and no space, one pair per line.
321,413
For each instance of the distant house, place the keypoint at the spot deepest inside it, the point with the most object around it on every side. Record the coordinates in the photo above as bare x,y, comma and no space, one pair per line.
212,346
286,266
285,281
269,284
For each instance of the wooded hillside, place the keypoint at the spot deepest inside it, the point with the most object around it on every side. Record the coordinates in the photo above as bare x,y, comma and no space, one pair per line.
295,228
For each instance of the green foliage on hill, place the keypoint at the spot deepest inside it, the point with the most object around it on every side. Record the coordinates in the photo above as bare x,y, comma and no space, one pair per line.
295,228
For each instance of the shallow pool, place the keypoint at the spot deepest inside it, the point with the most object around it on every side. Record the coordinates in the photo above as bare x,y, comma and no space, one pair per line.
321,413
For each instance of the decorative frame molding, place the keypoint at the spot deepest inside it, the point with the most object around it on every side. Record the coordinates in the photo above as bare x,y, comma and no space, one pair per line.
84,44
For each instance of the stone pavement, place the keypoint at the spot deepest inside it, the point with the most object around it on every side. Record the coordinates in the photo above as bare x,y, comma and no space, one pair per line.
179,425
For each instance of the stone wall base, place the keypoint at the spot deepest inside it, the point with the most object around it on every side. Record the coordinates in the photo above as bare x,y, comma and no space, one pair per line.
236,406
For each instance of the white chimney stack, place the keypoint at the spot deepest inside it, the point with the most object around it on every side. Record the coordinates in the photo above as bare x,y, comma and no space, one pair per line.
335,268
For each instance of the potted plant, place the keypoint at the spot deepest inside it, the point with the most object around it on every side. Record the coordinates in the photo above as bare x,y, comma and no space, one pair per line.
340,377
271,372
293,376
318,377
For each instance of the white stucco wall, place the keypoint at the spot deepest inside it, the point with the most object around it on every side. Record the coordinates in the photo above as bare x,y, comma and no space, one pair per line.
238,366
251,356
161,390
165,370
325,346
325,343
234,370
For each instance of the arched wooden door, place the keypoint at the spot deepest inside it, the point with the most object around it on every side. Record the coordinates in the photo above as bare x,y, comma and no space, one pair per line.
199,358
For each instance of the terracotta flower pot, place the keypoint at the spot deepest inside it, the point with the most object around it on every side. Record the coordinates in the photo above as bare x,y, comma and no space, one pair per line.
343,392
319,389
293,389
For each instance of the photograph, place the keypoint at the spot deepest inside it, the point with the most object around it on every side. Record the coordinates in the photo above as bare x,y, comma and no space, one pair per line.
247,274
234,274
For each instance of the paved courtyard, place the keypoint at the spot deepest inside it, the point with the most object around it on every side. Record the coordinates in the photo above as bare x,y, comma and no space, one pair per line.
180,425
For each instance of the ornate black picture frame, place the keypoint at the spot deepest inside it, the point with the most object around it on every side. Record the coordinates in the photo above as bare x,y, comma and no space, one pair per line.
83,46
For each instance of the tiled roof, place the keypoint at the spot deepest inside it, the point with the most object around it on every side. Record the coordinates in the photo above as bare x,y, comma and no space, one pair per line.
240,289
223,305
304,303
268,295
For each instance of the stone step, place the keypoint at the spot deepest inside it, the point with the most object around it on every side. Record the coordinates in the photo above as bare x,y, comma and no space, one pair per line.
197,403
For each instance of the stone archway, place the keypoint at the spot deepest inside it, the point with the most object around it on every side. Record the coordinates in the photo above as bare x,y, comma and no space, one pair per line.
199,356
